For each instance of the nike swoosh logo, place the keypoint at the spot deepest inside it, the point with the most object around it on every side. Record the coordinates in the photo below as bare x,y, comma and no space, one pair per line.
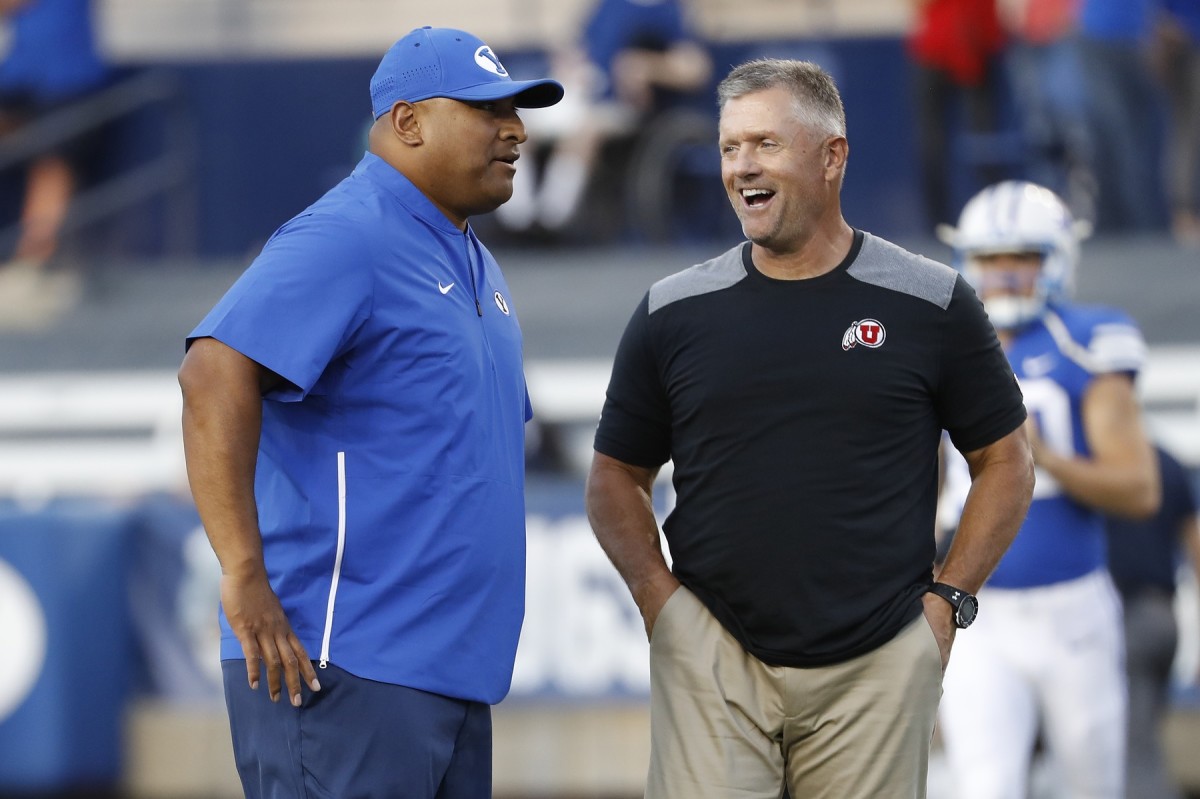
444,289
1039,365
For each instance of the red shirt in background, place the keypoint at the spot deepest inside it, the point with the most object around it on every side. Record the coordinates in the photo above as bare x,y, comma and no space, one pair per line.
957,36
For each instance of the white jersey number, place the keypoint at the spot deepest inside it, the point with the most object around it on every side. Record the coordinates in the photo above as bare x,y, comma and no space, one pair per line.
1050,407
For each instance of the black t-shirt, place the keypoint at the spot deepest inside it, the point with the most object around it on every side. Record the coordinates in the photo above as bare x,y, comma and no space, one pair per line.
803,418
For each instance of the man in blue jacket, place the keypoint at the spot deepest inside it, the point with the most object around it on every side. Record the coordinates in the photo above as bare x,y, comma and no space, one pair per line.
354,426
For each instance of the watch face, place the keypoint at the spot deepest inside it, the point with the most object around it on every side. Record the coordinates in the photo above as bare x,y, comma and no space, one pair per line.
967,610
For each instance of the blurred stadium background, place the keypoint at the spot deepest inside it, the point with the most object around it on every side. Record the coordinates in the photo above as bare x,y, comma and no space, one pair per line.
229,117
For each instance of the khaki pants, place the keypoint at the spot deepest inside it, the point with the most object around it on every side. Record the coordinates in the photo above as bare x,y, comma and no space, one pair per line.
724,724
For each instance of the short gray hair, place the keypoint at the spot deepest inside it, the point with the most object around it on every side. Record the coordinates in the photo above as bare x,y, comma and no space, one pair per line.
816,99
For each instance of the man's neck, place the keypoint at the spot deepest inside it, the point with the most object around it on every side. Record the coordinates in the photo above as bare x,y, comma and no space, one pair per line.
817,256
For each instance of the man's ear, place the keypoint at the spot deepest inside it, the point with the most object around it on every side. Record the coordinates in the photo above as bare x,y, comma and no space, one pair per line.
406,125
837,150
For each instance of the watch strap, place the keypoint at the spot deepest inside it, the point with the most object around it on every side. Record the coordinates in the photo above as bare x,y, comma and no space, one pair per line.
965,605
954,596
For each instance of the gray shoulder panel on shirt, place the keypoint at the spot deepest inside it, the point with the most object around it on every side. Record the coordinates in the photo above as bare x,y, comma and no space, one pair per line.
722,272
888,266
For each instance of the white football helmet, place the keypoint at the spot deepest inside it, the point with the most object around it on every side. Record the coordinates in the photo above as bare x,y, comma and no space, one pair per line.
1016,216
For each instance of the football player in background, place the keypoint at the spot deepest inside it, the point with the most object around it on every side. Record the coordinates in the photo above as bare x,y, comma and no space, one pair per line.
1049,651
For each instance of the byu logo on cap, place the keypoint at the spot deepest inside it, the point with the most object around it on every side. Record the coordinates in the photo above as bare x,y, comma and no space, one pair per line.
445,62
485,58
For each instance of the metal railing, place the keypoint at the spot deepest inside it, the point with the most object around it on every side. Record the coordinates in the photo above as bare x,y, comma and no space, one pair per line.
119,433
168,173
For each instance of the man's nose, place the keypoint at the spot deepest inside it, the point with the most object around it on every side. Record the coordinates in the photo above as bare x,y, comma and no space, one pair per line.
513,128
743,163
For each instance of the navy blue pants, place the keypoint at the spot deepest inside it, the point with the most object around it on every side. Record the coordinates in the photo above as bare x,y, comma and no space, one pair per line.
357,738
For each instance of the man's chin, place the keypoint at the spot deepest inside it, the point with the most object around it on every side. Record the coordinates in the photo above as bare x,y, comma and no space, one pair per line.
754,230
494,200
762,238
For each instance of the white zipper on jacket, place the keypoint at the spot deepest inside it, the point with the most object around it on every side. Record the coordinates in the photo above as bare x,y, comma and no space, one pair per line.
337,561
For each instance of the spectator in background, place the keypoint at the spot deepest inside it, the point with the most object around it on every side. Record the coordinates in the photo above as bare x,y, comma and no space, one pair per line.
954,46
635,58
1178,59
1050,95
52,61
1142,557
1124,109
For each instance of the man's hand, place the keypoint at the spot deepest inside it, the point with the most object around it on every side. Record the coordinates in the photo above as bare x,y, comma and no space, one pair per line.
258,621
940,615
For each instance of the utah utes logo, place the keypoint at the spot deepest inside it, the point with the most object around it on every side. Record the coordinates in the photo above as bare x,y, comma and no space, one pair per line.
868,332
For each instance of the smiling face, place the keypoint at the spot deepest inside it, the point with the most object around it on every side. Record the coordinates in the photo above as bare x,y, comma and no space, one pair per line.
469,154
782,176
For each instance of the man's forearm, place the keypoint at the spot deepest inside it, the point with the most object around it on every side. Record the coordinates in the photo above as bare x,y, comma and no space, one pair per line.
619,507
222,420
1001,489
1120,476
1129,488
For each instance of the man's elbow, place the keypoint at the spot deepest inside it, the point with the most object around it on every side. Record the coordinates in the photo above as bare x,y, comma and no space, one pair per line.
1017,466
1027,471
190,376
1145,498
598,487
612,483
1020,465
201,376
213,371
594,488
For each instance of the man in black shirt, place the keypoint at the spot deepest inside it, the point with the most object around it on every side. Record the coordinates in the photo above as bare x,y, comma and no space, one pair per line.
800,383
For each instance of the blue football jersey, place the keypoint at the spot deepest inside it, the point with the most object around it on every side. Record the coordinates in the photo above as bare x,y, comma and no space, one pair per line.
1056,359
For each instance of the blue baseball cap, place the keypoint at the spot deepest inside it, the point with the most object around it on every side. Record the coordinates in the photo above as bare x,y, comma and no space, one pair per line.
444,62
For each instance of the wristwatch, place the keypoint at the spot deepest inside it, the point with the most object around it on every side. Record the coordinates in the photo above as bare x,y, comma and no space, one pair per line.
966,606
